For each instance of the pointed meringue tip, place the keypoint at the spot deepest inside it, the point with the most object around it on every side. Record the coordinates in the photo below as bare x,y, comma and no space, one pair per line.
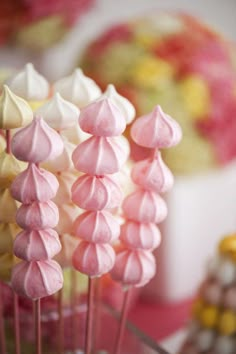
29,67
110,88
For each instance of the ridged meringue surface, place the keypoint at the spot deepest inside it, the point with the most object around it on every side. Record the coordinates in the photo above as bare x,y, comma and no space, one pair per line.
78,88
59,113
102,118
38,215
37,279
145,206
106,156
34,184
156,130
96,193
93,259
36,245
97,227
14,111
37,142
29,84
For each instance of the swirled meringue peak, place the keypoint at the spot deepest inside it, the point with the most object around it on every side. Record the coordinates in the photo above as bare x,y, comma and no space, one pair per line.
99,156
37,216
37,279
153,174
59,113
62,162
93,259
14,111
125,106
37,142
102,118
96,193
36,245
156,130
140,235
34,184
134,267
145,206
29,84
77,88
97,227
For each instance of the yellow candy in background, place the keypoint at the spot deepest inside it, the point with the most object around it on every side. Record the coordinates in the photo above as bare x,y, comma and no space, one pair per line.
227,323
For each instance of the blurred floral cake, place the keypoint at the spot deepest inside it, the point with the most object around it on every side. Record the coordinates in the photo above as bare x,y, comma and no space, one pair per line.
189,69
213,327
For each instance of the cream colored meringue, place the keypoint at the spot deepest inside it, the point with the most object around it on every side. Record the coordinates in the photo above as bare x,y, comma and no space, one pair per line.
37,142
99,156
2,143
14,111
66,180
125,106
36,245
8,207
69,244
102,118
37,279
34,184
144,206
134,267
156,130
77,88
29,84
9,169
93,259
75,135
67,215
38,215
96,193
62,162
59,113
8,232
97,227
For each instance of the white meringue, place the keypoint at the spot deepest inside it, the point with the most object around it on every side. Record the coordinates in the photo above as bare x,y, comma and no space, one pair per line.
59,113
77,88
29,84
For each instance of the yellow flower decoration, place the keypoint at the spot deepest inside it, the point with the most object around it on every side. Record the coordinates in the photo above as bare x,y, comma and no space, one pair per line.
195,96
148,72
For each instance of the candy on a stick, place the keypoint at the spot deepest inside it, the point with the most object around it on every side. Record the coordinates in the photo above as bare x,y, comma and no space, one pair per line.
135,264
77,88
95,191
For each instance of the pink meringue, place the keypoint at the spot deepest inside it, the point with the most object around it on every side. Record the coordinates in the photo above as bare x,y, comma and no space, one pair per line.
153,174
34,184
96,193
97,227
145,206
134,267
37,279
38,215
102,118
93,259
140,236
156,130
59,113
106,156
36,245
26,142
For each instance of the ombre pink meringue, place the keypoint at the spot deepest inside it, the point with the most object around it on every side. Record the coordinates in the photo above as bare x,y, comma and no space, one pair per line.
37,279
37,142
140,235
34,184
134,267
153,174
67,215
145,206
36,245
102,118
96,193
38,215
97,227
156,130
93,259
106,156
